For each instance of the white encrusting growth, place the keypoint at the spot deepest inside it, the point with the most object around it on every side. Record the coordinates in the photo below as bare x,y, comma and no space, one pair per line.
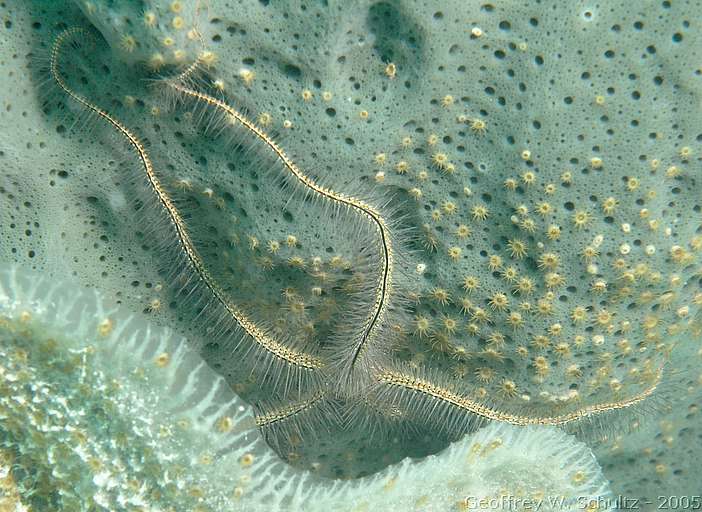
160,417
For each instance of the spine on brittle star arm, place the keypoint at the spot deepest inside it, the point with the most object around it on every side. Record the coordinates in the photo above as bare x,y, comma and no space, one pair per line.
420,395
377,316
284,424
289,412
291,357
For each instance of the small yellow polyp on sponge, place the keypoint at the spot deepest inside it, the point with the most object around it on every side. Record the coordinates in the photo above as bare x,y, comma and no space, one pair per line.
101,411
156,34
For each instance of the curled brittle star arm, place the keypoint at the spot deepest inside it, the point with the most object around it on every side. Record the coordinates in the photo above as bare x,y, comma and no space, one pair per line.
291,357
463,403
378,314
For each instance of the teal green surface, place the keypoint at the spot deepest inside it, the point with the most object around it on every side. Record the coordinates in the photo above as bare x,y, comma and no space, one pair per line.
539,164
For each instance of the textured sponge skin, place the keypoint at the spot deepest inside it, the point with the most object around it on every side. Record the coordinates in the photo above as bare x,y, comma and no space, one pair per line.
606,95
